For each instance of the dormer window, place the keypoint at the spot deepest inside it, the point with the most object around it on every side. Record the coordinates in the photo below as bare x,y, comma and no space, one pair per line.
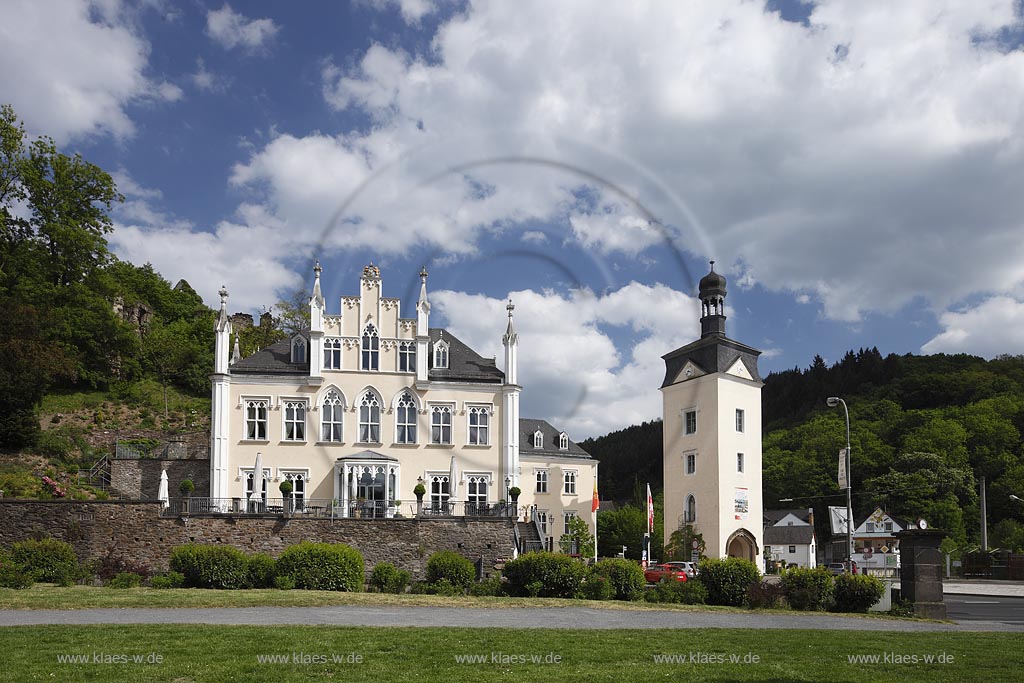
298,350
441,354
563,442
538,439
370,358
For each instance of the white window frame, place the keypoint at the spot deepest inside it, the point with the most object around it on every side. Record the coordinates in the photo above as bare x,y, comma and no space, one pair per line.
367,426
246,402
482,414
741,420
563,442
299,349
687,415
566,516
289,403
441,354
291,474
690,511
332,353
407,356
475,497
335,411
542,478
690,463
570,482
441,409
369,349
249,474
406,426
538,439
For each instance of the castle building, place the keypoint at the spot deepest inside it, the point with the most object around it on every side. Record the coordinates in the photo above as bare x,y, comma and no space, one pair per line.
365,405
711,398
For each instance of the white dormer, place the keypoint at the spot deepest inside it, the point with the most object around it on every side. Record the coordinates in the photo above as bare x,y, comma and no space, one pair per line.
538,439
298,349
441,354
563,442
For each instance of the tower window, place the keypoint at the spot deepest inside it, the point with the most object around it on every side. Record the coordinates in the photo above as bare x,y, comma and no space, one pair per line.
739,419
691,463
739,462
690,417
690,515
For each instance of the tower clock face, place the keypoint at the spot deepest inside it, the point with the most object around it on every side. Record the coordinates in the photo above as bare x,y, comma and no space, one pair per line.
688,372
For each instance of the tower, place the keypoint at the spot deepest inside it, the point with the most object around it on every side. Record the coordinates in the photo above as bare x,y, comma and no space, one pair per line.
221,400
711,398
510,399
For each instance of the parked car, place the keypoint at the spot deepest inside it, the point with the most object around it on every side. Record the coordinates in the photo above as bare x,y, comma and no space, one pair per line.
664,572
841,568
689,567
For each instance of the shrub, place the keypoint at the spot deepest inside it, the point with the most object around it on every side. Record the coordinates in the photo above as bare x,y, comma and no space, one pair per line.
260,571
727,580
186,487
284,583
545,574
211,566
168,580
597,586
808,589
12,576
125,580
625,576
47,560
115,562
450,566
856,593
690,592
323,566
445,587
764,595
386,578
488,587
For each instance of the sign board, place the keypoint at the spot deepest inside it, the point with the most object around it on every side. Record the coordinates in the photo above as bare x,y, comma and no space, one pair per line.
695,545
843,483
740,504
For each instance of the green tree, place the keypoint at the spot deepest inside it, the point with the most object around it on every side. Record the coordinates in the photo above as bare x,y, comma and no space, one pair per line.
578,540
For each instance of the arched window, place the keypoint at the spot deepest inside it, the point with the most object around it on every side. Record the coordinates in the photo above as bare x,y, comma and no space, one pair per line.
407,356
298,350
406,420
439,489
476,492
441,354
331,418
563,442
479,423
690,515
298,494
538,439
371,349
369,418
332,353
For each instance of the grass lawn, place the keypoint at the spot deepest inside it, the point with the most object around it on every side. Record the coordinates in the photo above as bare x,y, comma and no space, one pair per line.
232,653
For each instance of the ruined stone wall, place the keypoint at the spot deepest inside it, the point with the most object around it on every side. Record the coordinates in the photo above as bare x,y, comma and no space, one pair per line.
135,529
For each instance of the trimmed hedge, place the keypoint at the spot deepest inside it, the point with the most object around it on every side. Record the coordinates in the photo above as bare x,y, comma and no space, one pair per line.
856,592
211,566
260,571
690,592
449,566
387,578
323,566
727,580
625,576
46,560
545,574
597,586
11,576
808,589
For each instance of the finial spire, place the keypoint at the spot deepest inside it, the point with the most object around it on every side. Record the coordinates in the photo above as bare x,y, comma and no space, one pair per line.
236,354
510,336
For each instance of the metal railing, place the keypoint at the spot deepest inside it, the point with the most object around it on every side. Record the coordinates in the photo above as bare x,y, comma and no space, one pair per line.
332,508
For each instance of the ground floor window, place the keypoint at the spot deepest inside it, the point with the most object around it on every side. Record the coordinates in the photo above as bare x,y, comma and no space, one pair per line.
298,480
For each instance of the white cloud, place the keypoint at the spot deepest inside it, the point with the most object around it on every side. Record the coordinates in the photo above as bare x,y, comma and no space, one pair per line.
569,366
68,73
412,10
231,29
991,328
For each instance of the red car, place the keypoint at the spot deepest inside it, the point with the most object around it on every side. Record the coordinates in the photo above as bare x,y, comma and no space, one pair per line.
664,572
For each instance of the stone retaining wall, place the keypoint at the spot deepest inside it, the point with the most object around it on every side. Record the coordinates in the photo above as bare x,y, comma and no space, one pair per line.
135,530
139,478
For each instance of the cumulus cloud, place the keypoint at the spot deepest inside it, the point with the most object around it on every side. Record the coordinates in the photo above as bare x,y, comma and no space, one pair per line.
989,329
570,366
69,71
231,29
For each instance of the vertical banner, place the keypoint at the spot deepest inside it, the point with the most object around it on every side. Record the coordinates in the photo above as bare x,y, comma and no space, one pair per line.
650,511
843,483
740,504
595,505
645,554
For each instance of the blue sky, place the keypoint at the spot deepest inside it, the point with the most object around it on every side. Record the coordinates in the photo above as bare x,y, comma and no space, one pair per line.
854,168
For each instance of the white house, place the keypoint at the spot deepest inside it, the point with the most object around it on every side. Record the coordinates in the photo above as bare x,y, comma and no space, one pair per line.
789,537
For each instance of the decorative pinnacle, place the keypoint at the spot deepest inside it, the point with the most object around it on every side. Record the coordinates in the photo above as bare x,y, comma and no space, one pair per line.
511,307
423,273
317,269
223,295
712,266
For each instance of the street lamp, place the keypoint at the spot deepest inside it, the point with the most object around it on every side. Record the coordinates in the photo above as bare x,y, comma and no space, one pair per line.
1013,497
832,402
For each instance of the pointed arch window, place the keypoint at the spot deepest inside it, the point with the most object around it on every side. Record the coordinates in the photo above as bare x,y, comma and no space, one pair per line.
441,354
370,359
298,350
369,418
332,353
407,356
563,442
331,418
538,439
690,515
479,423
405,423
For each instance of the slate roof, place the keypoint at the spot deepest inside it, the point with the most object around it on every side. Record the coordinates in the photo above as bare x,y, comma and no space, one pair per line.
772,517
788,535
464,364
713,353
527,427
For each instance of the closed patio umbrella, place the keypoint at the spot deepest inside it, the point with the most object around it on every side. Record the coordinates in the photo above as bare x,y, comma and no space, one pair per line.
257,482
162,494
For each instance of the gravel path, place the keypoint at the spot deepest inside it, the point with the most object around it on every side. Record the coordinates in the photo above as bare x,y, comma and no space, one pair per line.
567,617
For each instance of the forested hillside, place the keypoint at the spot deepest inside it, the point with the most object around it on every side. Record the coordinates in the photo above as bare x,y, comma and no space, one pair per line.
924,430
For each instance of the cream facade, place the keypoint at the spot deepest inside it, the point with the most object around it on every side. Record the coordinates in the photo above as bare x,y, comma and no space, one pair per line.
366,404
712,436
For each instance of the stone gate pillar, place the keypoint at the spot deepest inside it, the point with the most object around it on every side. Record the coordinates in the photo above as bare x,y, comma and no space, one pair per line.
921,566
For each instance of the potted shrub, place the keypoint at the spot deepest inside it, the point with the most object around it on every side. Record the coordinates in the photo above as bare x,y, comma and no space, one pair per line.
286,493
513,493
397,505
186,487
420,491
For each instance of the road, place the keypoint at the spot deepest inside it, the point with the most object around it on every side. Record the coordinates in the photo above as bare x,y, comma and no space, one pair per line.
987,608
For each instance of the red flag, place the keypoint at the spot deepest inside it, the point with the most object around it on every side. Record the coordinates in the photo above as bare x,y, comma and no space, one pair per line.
650,510
596,504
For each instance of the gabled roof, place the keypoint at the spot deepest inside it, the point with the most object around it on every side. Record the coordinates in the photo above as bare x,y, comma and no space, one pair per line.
713,353
788,535
464,364
773,517
275,359
527,428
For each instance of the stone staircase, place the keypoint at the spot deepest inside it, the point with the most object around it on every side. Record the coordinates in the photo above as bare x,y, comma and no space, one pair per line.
529,539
